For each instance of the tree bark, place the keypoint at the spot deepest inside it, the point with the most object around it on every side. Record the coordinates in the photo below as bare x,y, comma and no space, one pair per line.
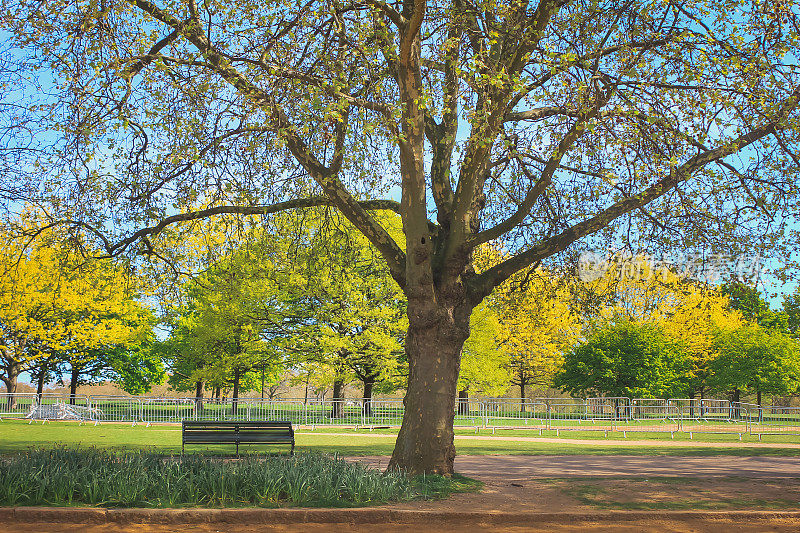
198,396
463,403
13,368
369,383
237,374
425,441
263,370
758,397
40,382
10,381
736,399
75,374
337,404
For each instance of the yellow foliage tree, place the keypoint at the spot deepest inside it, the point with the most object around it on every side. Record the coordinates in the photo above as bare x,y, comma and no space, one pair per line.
537,325
52,301
484,363
536,322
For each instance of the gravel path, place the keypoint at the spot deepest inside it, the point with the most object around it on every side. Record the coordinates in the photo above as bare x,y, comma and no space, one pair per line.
593,442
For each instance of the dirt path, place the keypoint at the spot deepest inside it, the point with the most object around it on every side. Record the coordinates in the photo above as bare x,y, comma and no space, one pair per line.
576,483
591,442
510,468
658,525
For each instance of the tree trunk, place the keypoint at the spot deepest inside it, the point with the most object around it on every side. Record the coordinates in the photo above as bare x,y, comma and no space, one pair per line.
522,380
263,370
758,397
433,347
337,404
73,383
237,374
198,396
463,403
369,383
10,381
40,382
13,368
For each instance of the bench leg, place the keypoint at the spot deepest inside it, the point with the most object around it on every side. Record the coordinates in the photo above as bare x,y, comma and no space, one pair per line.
237,449
291,452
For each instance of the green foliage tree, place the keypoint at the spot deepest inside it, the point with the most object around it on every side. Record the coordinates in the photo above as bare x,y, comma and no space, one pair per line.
483,361
537,124
309,293
754,359
754,308
689,311
791,308
626,359
226,330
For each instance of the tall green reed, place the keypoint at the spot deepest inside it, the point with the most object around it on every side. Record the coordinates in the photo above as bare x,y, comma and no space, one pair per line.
63,476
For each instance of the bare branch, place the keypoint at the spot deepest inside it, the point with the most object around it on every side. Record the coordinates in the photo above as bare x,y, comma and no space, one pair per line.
482,285
142,234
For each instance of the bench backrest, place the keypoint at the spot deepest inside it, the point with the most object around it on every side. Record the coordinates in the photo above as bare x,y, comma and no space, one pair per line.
227,424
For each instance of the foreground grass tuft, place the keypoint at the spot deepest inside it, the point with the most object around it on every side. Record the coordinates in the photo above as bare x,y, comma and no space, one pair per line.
63,476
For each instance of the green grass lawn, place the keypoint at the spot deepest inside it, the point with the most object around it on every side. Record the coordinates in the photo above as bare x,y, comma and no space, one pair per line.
18,435
732,438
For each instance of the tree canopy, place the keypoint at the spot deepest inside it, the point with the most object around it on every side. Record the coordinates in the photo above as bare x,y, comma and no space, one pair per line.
755,359
61,311
625,359
547,125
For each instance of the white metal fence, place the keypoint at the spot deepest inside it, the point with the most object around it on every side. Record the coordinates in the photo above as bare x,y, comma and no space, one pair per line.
686,415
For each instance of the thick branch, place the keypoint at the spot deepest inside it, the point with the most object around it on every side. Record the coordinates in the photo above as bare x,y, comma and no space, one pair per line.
390,12
546,177
151,55
482,285
261,210
330,184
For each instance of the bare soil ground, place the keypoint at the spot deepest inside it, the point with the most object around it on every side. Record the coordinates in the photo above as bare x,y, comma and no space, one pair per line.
547,484
660,525
590,442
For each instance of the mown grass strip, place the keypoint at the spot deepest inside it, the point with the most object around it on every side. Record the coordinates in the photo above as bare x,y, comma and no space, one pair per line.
18,435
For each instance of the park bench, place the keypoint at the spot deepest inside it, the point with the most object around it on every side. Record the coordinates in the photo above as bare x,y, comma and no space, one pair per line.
236,432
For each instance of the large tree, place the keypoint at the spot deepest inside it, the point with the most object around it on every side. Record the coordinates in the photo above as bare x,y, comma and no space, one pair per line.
626,359
538,123
60,311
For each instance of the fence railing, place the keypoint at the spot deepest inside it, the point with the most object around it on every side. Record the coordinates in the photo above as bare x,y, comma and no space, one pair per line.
625,415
